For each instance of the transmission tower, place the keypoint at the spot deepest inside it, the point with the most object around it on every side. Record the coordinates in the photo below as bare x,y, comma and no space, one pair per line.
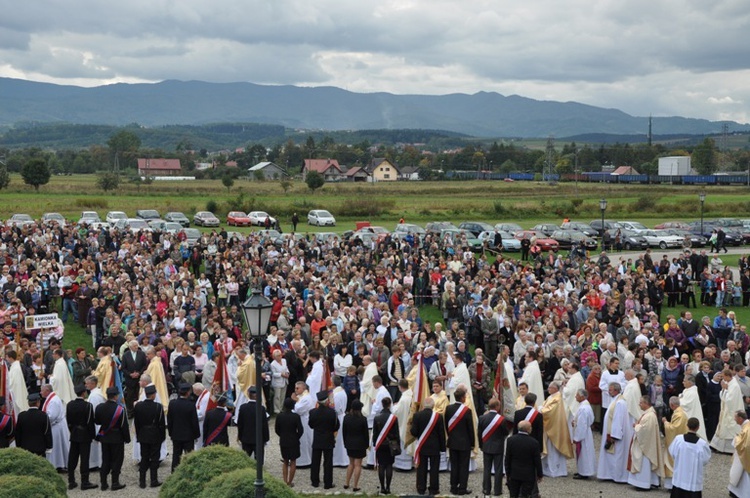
724,145
550,156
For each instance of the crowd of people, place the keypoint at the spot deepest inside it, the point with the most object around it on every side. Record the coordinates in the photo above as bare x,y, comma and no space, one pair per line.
549,350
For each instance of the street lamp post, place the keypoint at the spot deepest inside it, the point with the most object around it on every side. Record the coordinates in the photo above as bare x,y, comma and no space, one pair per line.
257,311
603,207
702,198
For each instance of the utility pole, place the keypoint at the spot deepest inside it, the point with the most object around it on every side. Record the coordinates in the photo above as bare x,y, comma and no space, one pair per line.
550,156
650,136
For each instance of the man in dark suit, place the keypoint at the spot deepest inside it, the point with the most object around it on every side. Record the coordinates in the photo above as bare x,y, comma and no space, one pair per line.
459,425
216,423
533,416
324,422
492,429
246,423
523,462
79,414
150,430
134,363
33,430
428,427
7,427
182,422
113,434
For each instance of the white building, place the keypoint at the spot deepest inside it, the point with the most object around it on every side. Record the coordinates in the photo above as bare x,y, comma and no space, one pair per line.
674,166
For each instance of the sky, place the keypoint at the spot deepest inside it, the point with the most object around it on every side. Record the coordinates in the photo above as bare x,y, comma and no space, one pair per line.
662,58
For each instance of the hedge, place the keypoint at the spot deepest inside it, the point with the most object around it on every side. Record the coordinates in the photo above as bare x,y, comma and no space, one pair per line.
16,463
15,486
198,468
241,484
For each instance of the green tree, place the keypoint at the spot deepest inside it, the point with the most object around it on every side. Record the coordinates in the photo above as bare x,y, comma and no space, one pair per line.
4,177
124,144
286,184
35,172
705,157
108,181
228,182
314,180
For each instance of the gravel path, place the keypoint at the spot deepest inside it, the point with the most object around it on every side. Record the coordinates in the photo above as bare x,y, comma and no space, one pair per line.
716,479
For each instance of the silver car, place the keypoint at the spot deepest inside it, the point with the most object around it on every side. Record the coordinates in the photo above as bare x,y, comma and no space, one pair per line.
206,219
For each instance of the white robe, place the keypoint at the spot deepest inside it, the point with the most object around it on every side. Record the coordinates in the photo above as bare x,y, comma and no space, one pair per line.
554,463
55,409
404,461
511,376
613,466
586,458
302,408
61,381
606,379
632,395
689,461
201,405
340,458
137,445
17,387
532,376
731,402
740,487
574,384
646,477
377,407
367,392
690,403
315,379
95,458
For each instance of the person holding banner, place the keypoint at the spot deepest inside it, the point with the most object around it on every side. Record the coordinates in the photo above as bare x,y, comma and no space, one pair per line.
493,429
459,425
427,426
385,436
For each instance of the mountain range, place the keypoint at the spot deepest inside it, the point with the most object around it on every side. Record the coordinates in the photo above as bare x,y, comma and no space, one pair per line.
483,114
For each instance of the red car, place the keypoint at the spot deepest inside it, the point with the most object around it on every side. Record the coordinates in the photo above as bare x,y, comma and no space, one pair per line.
238,219
544,242
681,225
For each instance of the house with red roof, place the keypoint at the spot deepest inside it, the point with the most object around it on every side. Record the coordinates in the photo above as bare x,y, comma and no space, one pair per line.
329,168
159,167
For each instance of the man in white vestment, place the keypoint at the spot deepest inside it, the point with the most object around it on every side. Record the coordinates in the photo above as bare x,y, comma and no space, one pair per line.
16,384
557,443
646,459
304,403
146,381
731,402
632,395
616,435
532,377
315,378
403,461
340,458
611,374
367,393
571,389
739,473
60,379
690,454
245,377
381,392
96,398
54,407
583,438
690,402
202,407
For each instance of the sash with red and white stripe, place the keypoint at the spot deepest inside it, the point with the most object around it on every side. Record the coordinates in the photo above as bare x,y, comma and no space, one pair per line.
46,402
219,428
425,434
4,421
457,417
492,427
532,415
381,437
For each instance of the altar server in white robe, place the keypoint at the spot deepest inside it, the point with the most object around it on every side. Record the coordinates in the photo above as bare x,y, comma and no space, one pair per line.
739,473
340,458
304,403
404,461
315,378
690,454
646,459
690,402
54,407
731,402
96,398
615,445
381,392
583,438
366,391
201,406
60,379
571,389
532,377
146,381
16,384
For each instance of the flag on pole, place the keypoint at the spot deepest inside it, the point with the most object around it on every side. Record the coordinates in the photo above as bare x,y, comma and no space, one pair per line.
420,385
326,383
222,374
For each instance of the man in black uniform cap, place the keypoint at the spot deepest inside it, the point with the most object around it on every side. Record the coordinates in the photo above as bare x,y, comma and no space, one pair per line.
216,422
113,434
324,422
33,430
7,427
150,429
79,414
183,425
246,423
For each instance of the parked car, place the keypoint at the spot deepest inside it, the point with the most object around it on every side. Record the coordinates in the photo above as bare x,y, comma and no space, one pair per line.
629,239
579,226
475,227
113,216
133,225
238,219
608,225
266,236
148,214
177,217
633,225
463,238
380,232
410,228
320,218
544,243
673,224
52,218
690,239
192,235
206,219
546,228
569,238
258,218
20,220
437,226
662,239
89,217
510,243
731,238
158,225
509,227
322,237
284,238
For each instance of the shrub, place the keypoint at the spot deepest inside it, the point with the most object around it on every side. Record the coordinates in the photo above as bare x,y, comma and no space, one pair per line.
198,468
212,206
366,206
499,208
17,464
92,203
15,486
644,203
241,483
